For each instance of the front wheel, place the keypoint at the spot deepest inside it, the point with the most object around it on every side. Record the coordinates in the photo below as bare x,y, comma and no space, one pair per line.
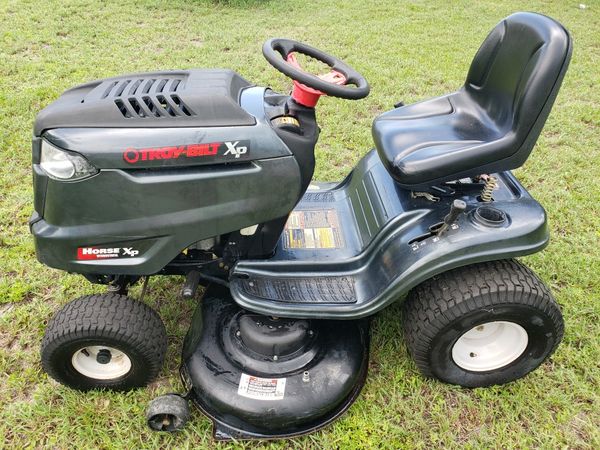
104,341
480,325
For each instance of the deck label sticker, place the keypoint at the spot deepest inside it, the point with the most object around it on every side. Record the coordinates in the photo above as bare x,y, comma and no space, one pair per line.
313,229
261,388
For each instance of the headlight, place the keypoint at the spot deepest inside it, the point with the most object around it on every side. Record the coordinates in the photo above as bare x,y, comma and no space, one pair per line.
62,165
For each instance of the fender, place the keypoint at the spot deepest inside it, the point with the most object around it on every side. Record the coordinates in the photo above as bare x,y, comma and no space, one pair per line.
397,258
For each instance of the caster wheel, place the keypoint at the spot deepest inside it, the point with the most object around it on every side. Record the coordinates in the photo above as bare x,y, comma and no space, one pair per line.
104,341
480,325
168,413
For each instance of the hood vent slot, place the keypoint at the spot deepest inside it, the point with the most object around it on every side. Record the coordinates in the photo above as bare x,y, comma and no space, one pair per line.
121,88
109,88
148,98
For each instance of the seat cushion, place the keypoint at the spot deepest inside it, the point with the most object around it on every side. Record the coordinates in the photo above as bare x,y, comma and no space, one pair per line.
423,143
492,123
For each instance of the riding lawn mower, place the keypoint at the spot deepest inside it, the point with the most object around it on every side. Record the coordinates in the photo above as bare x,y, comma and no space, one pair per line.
199,173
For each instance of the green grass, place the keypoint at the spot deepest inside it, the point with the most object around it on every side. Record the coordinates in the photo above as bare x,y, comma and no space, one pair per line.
408,51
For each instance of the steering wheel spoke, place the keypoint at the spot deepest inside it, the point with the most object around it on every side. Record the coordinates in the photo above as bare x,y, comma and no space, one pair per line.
333,77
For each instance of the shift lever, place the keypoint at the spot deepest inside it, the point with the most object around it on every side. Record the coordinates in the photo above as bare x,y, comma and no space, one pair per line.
456,209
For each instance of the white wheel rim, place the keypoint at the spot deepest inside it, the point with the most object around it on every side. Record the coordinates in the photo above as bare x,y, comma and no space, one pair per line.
85,361
490,346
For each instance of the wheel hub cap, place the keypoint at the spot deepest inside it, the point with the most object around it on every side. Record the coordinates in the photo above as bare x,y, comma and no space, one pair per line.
490,346
101,362
104,356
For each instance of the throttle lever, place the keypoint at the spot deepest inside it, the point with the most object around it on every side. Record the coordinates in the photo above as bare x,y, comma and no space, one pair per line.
456,209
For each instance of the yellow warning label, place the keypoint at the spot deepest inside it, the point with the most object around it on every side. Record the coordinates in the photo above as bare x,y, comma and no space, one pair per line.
313,229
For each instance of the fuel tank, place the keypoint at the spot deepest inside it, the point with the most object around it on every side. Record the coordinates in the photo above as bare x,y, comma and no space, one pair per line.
177,157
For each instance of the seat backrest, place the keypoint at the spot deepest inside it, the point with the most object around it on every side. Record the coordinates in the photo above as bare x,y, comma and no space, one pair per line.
516,74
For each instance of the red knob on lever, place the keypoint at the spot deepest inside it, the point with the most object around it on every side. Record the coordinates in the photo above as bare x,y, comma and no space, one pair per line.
307,96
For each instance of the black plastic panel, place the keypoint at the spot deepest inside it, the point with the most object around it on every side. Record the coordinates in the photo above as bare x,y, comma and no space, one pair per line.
387,247
106,147
167,209
158,208
187,98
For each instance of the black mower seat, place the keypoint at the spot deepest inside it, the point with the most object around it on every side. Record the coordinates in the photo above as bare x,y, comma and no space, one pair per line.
492,123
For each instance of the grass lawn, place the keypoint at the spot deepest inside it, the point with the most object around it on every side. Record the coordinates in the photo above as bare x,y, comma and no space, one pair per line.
408,51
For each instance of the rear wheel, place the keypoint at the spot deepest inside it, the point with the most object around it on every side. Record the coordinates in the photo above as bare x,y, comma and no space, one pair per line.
104,341
489,323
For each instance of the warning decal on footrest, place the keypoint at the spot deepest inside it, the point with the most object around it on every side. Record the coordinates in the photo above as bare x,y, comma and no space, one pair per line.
261,388
313,229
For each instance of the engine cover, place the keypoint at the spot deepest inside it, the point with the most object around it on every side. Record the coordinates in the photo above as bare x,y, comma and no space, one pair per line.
190,98
260,377
179,161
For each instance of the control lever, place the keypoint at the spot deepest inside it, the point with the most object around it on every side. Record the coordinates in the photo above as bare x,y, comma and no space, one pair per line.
456,209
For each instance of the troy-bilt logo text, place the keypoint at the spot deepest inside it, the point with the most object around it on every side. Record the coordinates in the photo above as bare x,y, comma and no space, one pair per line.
84,253
135,155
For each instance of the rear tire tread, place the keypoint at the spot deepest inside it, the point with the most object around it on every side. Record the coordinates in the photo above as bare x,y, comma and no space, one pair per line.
442,299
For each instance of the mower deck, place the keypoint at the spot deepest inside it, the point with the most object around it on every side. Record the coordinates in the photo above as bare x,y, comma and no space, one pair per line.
240,368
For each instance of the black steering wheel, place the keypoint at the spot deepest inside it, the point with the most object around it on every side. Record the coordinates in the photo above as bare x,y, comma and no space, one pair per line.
351,85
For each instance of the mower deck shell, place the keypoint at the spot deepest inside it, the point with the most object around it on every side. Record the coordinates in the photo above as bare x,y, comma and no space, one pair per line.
322,379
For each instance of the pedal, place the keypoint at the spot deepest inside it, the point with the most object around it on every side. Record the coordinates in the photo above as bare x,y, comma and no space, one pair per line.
190,286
